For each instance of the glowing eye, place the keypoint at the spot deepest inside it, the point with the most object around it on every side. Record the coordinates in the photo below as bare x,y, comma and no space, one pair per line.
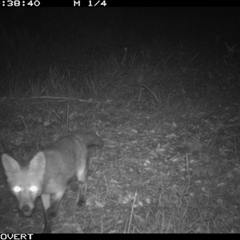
17,189
33,189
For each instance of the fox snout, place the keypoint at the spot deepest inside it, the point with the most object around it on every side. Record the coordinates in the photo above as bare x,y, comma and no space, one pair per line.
26,206
26,210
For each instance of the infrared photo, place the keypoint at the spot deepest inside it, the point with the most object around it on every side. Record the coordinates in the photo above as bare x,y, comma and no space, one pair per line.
119,119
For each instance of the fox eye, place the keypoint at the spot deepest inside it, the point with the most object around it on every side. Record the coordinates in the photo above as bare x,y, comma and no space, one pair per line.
33,189
17,189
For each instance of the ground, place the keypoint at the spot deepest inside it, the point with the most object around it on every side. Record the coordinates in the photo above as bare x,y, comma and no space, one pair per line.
164,171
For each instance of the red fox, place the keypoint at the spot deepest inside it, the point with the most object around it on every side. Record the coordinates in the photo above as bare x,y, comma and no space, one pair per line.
49,172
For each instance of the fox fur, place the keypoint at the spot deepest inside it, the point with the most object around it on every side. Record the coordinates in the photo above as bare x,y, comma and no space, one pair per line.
49,172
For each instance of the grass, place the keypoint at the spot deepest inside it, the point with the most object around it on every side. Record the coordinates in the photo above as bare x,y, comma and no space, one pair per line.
169,118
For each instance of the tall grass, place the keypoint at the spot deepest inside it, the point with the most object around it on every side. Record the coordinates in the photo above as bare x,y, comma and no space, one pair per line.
158,74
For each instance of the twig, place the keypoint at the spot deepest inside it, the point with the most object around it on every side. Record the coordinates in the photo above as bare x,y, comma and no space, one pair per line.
56,98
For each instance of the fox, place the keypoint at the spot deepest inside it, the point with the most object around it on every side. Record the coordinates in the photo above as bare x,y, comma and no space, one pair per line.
49,173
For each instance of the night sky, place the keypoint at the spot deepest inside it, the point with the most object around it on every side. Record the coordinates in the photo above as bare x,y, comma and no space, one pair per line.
128,25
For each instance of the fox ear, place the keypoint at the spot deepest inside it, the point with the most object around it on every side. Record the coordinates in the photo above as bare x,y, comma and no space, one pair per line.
10,165
37,164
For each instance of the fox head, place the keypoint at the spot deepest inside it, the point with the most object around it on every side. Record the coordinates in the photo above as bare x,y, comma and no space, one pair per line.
25,182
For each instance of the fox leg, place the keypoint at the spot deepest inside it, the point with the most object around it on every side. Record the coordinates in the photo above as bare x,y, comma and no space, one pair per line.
82,185
50,209
47,220
81,194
